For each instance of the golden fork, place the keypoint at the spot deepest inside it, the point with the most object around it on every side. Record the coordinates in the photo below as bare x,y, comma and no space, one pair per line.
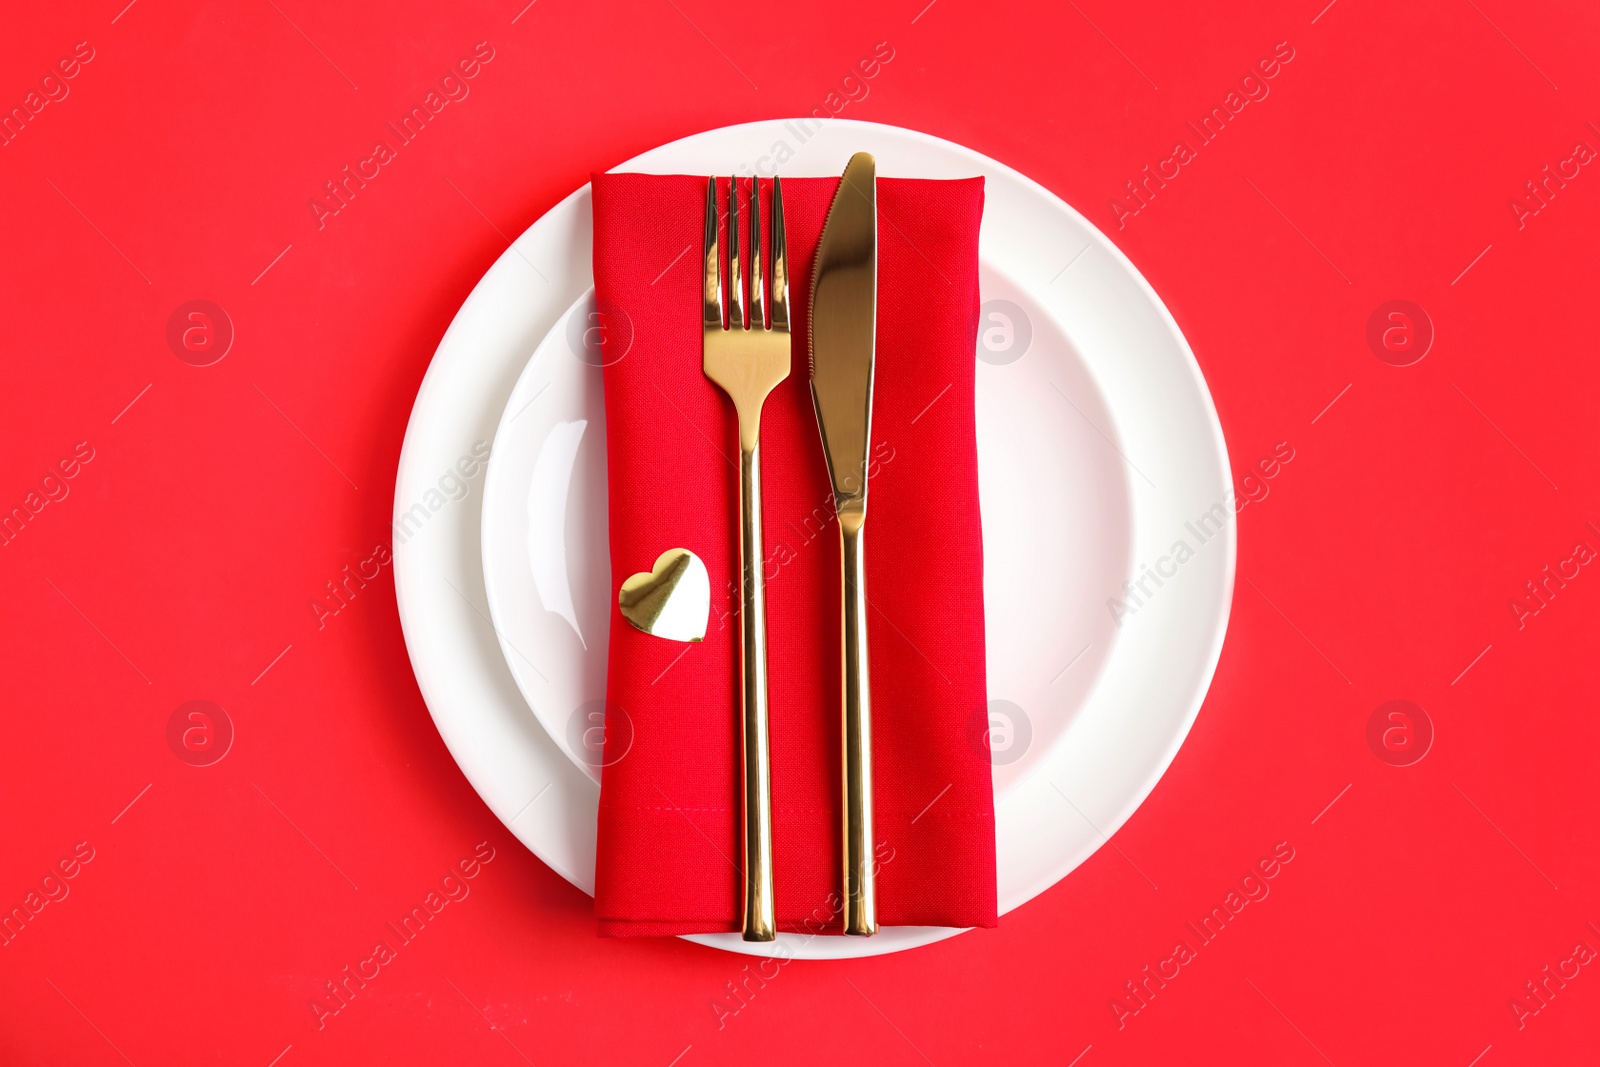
747,358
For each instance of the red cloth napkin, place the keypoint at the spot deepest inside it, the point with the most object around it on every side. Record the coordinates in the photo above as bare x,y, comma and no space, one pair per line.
669,831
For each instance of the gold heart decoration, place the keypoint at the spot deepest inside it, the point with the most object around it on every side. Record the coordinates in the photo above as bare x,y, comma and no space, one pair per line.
672,600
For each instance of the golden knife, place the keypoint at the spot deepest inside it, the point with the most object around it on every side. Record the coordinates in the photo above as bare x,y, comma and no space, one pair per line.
843,326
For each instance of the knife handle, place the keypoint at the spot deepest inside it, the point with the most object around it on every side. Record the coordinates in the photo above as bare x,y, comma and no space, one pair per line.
759,920
860,891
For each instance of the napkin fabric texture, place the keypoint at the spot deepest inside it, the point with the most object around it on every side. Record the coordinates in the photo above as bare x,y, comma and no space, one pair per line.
669,849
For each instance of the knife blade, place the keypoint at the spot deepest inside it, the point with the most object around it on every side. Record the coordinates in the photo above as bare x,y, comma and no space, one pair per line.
844,285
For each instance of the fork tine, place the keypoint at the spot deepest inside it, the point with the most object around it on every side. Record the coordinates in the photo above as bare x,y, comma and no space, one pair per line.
758,275
712,298
780,261
736,320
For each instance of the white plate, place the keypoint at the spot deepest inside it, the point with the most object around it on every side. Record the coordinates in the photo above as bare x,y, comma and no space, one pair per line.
1099,451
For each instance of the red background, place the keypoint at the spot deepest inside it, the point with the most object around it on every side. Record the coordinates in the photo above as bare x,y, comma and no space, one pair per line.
1380,566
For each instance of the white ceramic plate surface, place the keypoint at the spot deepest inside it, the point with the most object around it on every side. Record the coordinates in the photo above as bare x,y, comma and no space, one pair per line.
1099,454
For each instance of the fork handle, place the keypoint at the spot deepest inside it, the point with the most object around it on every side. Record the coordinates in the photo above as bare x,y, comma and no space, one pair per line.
860,889
759,920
